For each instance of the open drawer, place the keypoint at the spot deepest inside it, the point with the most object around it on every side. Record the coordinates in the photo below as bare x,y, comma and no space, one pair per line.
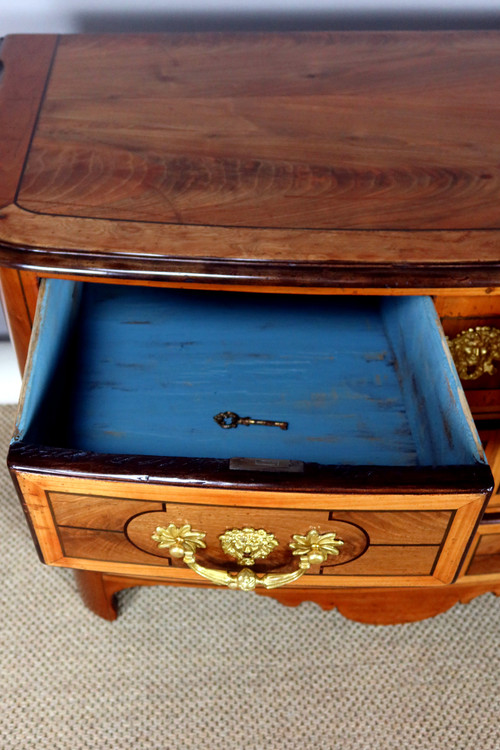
378,479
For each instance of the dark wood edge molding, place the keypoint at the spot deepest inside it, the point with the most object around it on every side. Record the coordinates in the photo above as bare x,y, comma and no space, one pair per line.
22,90
253,273
215,473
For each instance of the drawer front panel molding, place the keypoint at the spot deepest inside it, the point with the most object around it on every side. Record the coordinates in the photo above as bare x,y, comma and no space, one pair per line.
378,551
483,559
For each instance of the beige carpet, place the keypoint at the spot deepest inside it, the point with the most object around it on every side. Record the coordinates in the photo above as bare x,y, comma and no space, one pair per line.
184,670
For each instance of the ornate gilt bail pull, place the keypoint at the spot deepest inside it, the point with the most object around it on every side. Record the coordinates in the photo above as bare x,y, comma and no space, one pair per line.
228,420
475,350
247,545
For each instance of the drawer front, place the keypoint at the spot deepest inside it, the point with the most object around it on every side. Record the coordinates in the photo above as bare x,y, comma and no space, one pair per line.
472,325
490,438
108,526
483,558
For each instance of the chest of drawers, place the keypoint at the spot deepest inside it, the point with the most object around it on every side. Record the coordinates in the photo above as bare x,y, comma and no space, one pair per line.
237,229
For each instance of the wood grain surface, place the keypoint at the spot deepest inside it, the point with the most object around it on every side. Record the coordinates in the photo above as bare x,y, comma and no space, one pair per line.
384,527
317,131
483,558
296,159
19,291
26,60
283,524
486,560
104,550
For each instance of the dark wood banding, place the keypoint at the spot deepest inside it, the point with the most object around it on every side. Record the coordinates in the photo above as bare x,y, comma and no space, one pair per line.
491,518
404,276
216,473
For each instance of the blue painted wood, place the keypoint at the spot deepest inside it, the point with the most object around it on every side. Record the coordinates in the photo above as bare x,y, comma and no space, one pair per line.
435,402
58,305
149,368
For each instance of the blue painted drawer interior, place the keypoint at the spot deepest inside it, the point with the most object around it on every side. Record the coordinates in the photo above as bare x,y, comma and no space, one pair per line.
132,370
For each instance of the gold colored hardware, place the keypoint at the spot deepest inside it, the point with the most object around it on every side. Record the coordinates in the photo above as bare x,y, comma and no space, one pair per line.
228,420
247,545
474,351
178,540
316,547
312,549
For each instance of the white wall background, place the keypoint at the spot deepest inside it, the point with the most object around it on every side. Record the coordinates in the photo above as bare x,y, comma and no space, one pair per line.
63,16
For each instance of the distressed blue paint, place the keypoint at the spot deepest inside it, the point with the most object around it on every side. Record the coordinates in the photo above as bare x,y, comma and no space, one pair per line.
58,304
430,383
151,367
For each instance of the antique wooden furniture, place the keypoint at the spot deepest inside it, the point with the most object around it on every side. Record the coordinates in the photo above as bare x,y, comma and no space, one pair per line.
239,247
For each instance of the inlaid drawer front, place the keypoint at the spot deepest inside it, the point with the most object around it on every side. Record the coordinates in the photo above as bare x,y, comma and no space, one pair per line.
483,558
298,416
117,527
472,325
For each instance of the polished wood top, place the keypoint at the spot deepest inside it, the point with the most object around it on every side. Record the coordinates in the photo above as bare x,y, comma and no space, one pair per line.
286,159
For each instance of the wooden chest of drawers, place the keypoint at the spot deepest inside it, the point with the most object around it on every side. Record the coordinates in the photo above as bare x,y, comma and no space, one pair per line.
259,390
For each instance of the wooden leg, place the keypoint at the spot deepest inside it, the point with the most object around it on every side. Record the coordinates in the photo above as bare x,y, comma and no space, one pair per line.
96,595
98,590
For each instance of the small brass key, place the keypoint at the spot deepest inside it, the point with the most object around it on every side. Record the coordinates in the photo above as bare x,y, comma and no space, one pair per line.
228,419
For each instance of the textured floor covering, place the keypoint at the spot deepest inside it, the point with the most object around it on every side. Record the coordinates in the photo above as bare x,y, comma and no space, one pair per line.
187,669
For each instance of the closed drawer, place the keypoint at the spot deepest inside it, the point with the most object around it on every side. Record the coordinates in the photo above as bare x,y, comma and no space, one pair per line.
483,558
472,325
116,436
489,432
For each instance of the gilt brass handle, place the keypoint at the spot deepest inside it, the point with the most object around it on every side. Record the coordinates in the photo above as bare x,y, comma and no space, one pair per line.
475,350
247,545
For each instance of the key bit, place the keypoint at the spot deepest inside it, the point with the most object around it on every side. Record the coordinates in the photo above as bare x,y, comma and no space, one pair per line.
228,419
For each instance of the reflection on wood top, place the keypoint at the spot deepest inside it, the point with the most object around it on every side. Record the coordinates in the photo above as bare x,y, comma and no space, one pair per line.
305,148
